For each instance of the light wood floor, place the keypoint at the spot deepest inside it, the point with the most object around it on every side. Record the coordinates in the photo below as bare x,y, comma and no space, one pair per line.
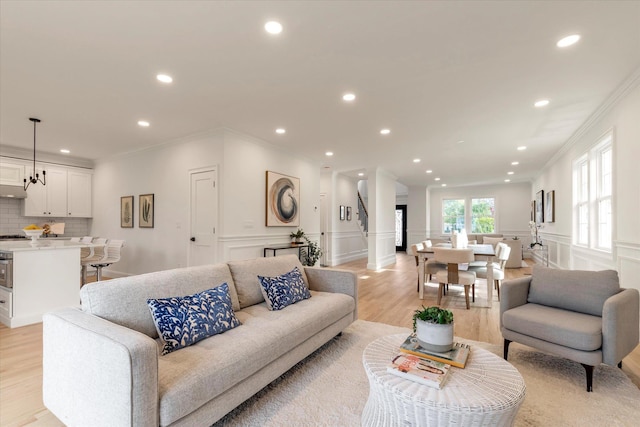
387,296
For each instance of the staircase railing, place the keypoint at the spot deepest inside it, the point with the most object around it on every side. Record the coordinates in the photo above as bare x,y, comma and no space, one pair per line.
363,215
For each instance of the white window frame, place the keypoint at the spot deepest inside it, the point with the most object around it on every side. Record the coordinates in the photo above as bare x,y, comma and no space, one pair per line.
442,216
468,212
495,225
593,186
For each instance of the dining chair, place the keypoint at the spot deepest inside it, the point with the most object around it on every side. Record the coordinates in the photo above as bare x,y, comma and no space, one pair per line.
431,266
502,254
414,249
453,275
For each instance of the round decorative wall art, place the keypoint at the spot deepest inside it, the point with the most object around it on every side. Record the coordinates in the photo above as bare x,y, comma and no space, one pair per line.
283,200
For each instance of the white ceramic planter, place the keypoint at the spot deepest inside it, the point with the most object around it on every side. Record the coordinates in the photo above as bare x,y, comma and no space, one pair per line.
434,336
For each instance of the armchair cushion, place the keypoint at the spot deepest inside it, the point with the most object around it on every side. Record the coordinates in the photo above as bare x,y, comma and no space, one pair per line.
575,290
575,330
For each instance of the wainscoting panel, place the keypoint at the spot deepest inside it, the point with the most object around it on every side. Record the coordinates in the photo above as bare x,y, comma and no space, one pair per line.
347,246
628,264
249,247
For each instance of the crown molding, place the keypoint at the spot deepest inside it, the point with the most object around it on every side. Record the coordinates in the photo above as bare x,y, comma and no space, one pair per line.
616,96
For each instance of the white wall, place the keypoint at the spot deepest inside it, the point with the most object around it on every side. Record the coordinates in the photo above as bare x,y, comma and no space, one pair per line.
513,206
243,196
242,163
621,113
162,171
347,241
382,224
416,215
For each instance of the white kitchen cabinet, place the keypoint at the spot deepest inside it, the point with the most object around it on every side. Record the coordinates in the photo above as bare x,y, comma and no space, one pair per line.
11,173
79,193
49,199
46,277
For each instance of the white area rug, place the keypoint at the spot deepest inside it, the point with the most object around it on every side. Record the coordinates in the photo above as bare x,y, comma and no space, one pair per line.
330,388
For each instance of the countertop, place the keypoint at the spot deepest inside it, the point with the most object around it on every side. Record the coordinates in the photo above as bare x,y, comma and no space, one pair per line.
41,244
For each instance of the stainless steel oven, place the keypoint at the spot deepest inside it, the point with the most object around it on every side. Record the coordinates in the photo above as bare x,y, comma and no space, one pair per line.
6,269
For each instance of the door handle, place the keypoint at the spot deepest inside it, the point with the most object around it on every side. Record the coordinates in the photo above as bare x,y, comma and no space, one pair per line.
193,239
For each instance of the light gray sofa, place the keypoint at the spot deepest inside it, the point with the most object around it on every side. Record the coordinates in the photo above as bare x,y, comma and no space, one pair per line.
584,316
101,364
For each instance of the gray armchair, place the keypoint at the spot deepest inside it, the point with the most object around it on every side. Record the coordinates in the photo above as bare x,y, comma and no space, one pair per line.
583,316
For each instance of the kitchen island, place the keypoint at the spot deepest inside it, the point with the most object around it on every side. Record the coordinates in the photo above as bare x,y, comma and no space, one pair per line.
46,276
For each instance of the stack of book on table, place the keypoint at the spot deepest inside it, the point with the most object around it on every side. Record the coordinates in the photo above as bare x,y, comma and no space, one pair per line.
415,363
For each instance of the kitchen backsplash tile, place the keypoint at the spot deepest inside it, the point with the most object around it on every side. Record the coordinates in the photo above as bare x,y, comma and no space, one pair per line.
11,222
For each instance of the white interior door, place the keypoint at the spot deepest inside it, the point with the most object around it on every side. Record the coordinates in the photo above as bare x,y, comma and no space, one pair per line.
204,217
323,229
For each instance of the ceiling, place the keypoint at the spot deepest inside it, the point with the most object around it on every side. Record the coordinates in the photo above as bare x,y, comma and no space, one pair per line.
434,73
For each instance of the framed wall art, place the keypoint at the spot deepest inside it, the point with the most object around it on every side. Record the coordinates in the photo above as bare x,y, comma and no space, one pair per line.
126,212
342,210
283,200
533,210
348,213
549,206
540,207
145,218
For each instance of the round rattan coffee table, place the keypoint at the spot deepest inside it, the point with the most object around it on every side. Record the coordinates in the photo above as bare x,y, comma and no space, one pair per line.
487,392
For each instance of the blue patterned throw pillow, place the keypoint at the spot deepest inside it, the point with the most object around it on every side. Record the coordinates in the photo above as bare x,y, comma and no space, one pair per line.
182,321
284,290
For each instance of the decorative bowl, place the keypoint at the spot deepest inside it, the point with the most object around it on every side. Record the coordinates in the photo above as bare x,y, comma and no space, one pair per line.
34,234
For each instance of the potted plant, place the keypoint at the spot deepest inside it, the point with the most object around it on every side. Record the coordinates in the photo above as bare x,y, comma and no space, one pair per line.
312,254
433,327
297,236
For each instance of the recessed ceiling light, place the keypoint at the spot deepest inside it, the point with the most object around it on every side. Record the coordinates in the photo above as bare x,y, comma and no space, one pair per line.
329,153
416,160
385,131
444,185
429,171
515,163
522,148
64,151
273,27
437,179
164,78
461,142
281,131
507,180
143,123
568,41
361,174
541,103
349,97
510,173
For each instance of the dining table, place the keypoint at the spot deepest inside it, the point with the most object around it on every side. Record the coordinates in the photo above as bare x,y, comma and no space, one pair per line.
480,252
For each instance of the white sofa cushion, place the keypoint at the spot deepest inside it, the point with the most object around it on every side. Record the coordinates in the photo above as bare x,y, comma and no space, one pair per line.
492,240
189,378
124,301
245,275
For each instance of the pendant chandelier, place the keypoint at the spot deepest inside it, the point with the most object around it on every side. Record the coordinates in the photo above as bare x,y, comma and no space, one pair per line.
34,178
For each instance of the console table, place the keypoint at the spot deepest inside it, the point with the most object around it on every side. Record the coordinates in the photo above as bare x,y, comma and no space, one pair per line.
277,248
537,249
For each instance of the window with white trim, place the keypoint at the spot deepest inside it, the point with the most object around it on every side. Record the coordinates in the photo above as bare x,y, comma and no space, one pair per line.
479,212
592,196
483,212
452,215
